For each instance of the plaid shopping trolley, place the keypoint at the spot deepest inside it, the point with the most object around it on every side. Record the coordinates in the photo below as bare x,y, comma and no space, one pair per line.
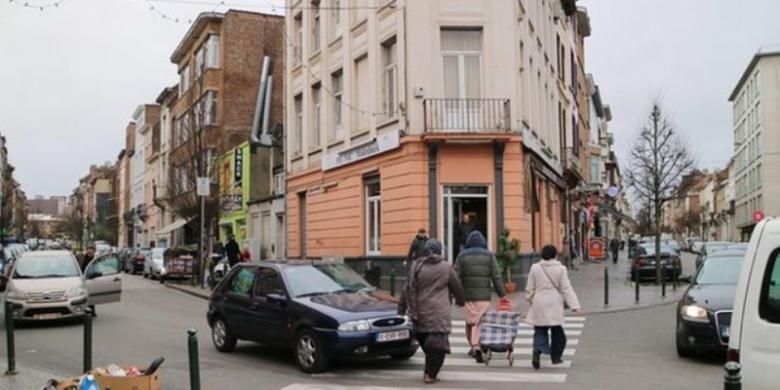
498,330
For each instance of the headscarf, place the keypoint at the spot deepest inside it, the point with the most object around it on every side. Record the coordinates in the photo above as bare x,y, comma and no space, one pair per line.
431,255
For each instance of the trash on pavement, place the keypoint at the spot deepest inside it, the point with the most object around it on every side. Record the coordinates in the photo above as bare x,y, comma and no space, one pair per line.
114,377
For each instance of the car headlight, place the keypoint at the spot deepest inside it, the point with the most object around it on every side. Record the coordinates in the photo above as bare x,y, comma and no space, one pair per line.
694,313
16,295
77,292
355,326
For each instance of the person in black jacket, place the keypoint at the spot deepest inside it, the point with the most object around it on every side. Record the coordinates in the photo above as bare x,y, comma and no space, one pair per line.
232,251
416,249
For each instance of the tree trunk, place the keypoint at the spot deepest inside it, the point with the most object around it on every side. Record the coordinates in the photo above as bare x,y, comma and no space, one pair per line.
657,242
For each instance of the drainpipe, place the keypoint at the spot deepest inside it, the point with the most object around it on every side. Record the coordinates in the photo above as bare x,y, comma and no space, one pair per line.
432,193
499,166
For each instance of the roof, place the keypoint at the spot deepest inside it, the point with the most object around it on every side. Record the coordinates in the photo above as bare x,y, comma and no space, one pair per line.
761,54
195,29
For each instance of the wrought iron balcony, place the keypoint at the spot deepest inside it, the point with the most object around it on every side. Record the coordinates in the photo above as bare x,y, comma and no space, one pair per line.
471,115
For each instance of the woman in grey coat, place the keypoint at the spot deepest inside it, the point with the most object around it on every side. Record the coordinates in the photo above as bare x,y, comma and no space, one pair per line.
426,300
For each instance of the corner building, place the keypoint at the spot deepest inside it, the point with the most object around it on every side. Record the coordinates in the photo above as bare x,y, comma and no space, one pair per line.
410,114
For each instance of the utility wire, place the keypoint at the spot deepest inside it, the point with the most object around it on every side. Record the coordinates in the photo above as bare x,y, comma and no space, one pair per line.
321,7
36,5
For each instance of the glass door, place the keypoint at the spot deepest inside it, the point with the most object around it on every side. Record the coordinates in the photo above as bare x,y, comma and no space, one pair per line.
465,209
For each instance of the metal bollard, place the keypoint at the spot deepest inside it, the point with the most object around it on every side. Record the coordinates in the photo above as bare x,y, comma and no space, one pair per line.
9,336
88,339
192,348
636,285
606,286
732,380
663,280
392,281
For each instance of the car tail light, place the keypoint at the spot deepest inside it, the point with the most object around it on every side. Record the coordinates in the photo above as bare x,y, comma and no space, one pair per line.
732,355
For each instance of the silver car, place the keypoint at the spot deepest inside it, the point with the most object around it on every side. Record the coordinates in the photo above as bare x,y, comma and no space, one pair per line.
153,263
49,285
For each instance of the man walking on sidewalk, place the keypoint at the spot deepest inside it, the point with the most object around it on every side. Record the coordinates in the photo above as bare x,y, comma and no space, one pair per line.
614,247
232,251
477,269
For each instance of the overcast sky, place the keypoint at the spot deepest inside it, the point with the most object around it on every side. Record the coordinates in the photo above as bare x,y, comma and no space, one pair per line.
71,76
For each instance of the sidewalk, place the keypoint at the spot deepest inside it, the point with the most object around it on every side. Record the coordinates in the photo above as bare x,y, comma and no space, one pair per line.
587,280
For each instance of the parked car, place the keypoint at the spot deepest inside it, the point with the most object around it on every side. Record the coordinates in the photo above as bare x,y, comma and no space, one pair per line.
137,261
323,311
48,285
708,248
153,263
645,258
704,312
755,322
672,244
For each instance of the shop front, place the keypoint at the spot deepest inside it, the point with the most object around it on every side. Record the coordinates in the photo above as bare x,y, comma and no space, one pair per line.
233,193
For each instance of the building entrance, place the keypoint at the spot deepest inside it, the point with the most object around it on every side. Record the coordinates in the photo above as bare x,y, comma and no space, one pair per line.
465,210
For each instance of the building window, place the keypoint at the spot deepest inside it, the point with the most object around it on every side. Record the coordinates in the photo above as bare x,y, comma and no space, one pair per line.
212,51
298,124
315,26
548,200
298,36
335,17
594,170
373,217
207,109
576,136
316,101
462,62
390,80
560,56
758,176
362,95
200,62
574,79
337,86
184,79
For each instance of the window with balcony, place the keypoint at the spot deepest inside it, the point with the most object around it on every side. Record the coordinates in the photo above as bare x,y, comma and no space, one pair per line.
373,207
337,87
362,95
461,52
316,117
390,79
315,26
298,139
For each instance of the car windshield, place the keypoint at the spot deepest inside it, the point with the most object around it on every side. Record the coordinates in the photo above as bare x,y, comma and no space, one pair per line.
48,266
323,279
720,270
649,250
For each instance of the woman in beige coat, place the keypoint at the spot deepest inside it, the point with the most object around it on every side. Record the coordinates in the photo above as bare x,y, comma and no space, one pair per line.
547,289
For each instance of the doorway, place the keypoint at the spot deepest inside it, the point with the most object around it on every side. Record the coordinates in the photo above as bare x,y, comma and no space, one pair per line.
465,209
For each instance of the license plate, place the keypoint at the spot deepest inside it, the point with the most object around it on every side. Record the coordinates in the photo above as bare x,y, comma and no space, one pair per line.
724,332
46,316
392,336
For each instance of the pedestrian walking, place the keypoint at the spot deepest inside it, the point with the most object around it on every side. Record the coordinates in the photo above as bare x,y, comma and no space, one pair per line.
548,291
426,299
232,251
479,273
614,248
417,247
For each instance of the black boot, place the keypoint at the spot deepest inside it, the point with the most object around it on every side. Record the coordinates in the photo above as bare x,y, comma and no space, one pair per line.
535,359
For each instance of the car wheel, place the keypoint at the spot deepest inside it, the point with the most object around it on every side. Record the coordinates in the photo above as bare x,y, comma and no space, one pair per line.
405,355
309,352
223,340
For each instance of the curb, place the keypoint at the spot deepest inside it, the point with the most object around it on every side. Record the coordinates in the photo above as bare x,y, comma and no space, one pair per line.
671,300
197,294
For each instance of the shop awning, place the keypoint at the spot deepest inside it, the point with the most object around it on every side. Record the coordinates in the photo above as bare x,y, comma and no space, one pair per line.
177,224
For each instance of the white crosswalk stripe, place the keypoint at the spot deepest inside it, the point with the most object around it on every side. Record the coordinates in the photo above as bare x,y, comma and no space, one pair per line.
459,370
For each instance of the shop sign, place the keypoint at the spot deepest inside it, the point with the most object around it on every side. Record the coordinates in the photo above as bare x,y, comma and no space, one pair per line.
232,203
238,167
378,145
547,172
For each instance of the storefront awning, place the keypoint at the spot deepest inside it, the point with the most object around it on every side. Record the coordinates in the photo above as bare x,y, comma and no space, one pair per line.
177,224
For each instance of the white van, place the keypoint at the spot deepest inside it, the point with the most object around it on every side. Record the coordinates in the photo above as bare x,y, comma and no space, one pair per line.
755,323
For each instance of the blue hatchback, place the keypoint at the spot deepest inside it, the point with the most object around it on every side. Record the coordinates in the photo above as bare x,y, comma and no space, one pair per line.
323,311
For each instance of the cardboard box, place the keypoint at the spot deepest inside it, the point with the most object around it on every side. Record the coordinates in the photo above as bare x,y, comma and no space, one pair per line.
146,382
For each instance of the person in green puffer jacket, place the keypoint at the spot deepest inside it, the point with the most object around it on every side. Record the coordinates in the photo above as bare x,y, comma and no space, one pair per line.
480,276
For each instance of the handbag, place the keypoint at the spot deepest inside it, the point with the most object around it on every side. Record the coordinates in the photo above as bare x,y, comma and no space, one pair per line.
557,288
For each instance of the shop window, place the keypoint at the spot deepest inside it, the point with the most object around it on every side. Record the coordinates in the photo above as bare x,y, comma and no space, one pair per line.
769,304
373,216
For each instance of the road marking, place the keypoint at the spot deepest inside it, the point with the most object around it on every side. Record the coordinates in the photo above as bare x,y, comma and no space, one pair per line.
567,324
453,376
518,351
498,361
320,386
461,340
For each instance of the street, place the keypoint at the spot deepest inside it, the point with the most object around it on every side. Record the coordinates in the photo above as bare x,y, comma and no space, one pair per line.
605,351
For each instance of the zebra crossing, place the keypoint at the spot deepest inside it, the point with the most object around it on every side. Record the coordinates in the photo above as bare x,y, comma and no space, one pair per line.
459,370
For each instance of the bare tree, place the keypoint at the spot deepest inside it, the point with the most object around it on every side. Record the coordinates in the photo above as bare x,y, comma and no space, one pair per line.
659,159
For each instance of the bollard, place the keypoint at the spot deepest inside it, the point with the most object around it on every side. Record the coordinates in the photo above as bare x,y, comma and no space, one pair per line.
676,274
9,335
606,286
88,339
392,281
636,285
732,380
663,280
192,348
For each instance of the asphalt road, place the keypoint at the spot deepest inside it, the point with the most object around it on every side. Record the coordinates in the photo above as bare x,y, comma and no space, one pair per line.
627,350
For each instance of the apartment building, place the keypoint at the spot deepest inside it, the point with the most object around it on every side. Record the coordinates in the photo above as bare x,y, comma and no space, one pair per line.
146,118
756,121
167,224
219,63
429,114
124,185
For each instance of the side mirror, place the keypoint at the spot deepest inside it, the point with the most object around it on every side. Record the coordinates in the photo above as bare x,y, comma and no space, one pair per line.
275,298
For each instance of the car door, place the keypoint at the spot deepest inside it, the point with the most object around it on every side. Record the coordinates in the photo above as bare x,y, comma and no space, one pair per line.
237,302
103,280
269,308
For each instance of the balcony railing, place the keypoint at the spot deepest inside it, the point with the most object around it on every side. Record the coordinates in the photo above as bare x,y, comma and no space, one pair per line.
572,160
466,115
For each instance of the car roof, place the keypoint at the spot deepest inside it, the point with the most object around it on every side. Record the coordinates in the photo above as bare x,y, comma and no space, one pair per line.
47,253
282,264
728,253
